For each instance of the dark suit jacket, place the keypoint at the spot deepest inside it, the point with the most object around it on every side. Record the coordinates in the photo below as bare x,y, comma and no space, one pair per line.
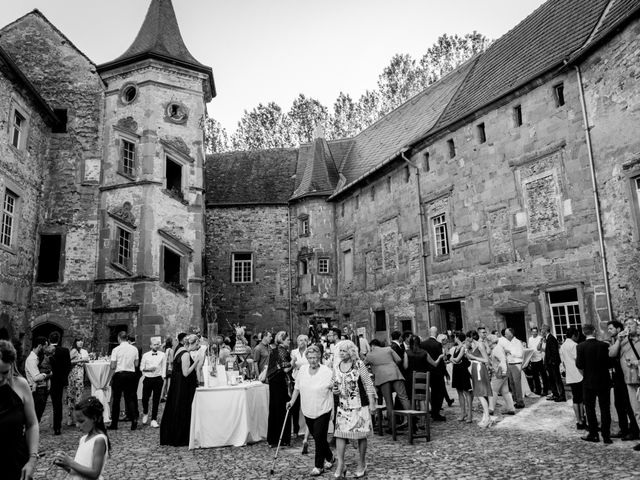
593,359
434,349
399,349
60,366
551,351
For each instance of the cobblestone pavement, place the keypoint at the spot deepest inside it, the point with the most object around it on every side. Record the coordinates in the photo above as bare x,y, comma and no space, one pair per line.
539,442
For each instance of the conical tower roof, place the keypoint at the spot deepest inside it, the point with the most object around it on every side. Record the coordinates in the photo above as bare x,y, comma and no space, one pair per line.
160,38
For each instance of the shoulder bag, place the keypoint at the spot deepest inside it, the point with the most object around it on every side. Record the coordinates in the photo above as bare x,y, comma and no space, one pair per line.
635,352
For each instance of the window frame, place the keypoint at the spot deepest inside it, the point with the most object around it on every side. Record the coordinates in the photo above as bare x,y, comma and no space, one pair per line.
576,311
440,249
347,278
482,133
558,94
517,116
451,145
181,286
326,262
12,217
119,228
304,226
234,262
122,137
176,160
61,257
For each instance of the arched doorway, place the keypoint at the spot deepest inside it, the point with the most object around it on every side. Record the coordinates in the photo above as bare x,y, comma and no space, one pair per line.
44,329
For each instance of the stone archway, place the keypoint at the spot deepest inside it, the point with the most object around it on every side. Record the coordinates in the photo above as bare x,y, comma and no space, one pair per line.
45,329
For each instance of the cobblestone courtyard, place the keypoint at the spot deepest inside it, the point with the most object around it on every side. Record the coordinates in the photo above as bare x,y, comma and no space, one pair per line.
539,442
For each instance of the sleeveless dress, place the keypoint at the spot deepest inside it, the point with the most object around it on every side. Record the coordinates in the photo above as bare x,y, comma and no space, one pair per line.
176,418
13,443
480,377
353,420
75,388
460,376
84,455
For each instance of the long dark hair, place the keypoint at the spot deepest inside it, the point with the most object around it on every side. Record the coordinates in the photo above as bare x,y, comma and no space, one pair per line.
414,343
75,344
92,408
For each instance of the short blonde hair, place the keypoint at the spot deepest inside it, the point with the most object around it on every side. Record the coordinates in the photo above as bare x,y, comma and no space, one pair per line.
302,336
351,349
281,336
312,349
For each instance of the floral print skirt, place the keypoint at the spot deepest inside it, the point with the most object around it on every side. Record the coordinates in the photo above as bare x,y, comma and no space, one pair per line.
353,423
75,389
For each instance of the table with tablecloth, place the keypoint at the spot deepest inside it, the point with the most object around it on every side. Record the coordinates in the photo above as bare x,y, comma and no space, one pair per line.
229,415
100,373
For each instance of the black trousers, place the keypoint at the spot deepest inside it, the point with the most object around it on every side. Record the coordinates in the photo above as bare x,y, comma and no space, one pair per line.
555,381
40,400
538,372
626,418
318,427
602,394
56,402
437,392
124,383
151,385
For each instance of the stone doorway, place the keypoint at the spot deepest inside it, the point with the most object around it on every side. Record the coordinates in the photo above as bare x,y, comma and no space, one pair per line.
515,321
45,329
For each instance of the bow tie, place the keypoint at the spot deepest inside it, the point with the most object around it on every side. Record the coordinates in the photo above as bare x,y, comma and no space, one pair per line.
154,353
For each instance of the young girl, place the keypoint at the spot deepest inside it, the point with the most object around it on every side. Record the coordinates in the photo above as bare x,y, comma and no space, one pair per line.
94,446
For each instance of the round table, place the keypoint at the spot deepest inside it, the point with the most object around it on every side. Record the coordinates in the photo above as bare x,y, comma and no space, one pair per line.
100,373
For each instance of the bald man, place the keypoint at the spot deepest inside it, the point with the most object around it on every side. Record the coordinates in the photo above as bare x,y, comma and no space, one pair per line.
438,374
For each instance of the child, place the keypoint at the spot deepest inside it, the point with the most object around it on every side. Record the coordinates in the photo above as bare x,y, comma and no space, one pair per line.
94,446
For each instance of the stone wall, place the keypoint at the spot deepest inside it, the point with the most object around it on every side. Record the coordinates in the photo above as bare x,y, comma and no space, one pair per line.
612,95
262,231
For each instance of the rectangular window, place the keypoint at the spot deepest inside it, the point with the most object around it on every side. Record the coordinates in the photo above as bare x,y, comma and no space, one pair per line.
61,125
373,193
9,206
128,158
347,259
304,227
123,253
241,268
426,166
517,115
452,148
482,135
565,312
357,202
342,209
171,268
49,259
558,93
323,265
440,235
303,267
174,178
407,174
18,129
389,184
381,321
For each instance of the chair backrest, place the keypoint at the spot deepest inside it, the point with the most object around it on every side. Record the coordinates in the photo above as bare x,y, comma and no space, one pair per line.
420,389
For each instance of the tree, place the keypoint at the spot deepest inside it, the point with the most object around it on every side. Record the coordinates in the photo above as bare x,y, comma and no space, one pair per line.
368,110
263,127
398,82
343,121
306,113
216,139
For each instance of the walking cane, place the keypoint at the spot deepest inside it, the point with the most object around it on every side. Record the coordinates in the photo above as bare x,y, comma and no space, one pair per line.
275,457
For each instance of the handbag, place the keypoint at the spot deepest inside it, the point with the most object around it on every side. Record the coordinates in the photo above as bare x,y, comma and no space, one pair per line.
637,372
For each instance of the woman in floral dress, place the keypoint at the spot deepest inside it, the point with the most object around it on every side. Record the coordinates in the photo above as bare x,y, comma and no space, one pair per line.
75,389
353,419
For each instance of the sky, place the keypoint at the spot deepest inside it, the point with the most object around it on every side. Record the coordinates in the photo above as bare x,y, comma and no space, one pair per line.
273,50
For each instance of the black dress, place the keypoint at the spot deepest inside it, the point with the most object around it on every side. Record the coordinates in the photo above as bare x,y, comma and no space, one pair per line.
279,359
461,378
417,363
13,442
176,418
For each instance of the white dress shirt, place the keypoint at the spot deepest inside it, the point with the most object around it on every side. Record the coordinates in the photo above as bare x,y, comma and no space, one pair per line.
533,344
301,359
316,394
154,360
125,356
34,377
512,348
568,354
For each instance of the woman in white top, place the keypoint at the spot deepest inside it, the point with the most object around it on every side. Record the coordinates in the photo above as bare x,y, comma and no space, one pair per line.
573,379
298,359
314,386
91,456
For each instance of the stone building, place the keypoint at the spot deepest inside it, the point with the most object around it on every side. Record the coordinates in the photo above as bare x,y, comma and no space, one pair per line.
505,194
474,202
102,183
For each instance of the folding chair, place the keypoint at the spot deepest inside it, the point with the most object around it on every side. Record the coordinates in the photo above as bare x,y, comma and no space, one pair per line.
420,390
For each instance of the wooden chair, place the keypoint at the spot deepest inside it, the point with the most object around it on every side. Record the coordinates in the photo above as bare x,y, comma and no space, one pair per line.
420,390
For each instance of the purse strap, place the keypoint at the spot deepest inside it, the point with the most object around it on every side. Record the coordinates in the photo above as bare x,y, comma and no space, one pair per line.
633,347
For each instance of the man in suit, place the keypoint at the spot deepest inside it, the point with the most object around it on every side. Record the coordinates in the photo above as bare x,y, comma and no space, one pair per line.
60,368
434,348
552,364
593,360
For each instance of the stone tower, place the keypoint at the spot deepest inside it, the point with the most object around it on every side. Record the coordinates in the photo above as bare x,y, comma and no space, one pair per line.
151,209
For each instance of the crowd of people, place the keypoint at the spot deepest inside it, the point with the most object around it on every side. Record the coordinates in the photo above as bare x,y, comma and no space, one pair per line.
331,382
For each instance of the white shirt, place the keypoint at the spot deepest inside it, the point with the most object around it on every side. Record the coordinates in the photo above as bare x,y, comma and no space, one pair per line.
568,354
33,372
316,395
157,362
512,348
301,359
329,353
125,356
533,344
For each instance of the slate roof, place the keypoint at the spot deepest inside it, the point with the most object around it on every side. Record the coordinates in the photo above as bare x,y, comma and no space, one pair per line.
320,174
252,177
159,37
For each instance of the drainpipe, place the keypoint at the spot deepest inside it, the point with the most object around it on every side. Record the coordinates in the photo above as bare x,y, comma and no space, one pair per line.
594,186
289,269
423,264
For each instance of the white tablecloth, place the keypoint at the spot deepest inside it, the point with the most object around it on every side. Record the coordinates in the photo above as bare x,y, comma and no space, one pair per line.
100,374
229,415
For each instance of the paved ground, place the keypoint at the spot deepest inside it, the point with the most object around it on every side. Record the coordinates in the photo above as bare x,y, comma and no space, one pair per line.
539,442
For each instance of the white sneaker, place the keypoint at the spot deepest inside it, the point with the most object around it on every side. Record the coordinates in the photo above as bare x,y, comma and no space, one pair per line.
145,419
327,465
154,424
